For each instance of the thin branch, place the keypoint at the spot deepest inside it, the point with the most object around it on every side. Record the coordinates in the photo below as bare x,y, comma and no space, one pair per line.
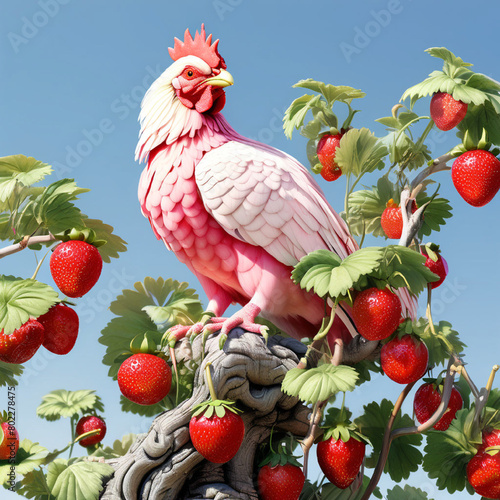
17,247
390,434
386,444
441,409
438,165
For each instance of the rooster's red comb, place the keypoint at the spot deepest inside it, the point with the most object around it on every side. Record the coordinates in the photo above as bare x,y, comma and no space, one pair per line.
199,47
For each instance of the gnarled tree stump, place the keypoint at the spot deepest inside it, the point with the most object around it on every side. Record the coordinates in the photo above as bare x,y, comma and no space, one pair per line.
164,464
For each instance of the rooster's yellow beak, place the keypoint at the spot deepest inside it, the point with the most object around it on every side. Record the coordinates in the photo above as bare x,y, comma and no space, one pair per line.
223,79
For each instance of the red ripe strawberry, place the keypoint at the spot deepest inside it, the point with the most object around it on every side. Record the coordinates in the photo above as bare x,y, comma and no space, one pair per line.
144,379
10,442
446,111
217,438
282,481
22,344
404,359
491,437
61,328
376,313
426,402
439,266
483,474
392,219
476,176
326,151
339,461
91,423
75,267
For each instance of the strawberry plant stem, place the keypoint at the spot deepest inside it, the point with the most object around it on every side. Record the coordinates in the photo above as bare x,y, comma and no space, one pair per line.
390,435
208,376
17,247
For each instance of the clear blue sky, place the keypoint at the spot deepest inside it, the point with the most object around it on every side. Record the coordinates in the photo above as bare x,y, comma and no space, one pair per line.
70,68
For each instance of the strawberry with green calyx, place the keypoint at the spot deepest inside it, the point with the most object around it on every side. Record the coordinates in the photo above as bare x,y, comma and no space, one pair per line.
476,176
22,344
216,428
61,325
89,424
280,475
9,438
446,111
404,358
435,262
342,450
427,400
75,264
392,219
376,313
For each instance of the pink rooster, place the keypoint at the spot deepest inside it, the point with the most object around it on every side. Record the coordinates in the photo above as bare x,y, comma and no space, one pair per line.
237,212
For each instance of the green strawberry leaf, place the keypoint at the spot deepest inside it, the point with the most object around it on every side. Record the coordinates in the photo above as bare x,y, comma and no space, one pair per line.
53,208
120,447
331,93
447,454
163,299
360,152
404,455
327,275
68,404
8,372
440,346
320,383
408,493
366,207
114,244
145,410
435,213
297,111
478,119
21,299
78,480
403,267
329,491
34,485
18,171
29,456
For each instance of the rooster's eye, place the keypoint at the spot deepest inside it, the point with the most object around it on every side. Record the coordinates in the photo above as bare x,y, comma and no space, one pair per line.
190,73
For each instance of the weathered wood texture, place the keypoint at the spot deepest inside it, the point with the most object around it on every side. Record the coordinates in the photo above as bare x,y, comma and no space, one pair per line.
163,464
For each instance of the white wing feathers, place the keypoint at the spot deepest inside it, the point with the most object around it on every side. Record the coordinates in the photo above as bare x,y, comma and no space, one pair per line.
266,198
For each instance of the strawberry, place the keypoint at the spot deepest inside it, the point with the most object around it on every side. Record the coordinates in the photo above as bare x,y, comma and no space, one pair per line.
75,267
376,313
61,328
426,402
22,344
10,442
216,431
91,423
476,176
435,262
326,151
491,437
281,481
340,461
392,219
144,379
446,111
483,474
404,359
